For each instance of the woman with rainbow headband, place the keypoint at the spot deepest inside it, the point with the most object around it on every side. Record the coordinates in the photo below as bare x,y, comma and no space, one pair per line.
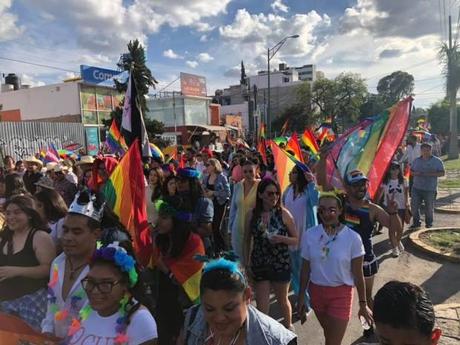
177,273
332,264
226,315
114,315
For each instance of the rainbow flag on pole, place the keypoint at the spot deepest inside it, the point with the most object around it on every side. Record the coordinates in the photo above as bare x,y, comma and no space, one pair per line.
115,141
125,194
283,165
309,140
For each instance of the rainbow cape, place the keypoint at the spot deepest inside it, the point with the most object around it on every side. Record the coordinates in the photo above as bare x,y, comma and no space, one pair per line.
115,141
369,146
125,194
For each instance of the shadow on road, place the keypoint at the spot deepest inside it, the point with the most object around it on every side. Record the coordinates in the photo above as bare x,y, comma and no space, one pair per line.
444,283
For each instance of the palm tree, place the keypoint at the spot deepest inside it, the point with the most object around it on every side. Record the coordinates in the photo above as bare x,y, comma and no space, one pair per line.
450,58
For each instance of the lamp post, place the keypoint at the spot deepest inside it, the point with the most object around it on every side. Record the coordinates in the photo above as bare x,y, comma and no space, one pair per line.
271,52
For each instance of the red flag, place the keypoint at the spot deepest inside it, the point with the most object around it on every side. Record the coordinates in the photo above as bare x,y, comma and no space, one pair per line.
293,145
262,151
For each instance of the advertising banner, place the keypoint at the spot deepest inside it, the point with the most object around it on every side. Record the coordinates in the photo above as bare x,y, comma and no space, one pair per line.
92,140
100,76
193,85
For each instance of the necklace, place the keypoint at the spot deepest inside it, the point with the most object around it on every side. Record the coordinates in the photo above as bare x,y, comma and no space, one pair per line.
75,270
325,250
232,342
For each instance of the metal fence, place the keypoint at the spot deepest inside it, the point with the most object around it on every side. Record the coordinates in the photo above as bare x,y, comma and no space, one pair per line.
21,139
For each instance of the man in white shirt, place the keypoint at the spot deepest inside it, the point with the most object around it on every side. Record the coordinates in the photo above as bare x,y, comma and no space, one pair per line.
413,151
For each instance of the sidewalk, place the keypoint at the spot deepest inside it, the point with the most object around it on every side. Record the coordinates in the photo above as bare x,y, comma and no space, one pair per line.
448,319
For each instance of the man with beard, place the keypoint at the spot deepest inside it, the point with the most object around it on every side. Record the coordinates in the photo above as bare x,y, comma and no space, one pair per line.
360,214
81,230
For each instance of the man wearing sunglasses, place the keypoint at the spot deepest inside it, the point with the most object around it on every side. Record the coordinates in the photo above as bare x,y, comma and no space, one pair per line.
361,215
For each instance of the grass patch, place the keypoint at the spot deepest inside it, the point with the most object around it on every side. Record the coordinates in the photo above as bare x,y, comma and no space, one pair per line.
447,241
451,164
449,183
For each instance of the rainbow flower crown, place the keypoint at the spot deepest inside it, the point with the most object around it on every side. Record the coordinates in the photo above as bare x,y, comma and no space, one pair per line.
118,255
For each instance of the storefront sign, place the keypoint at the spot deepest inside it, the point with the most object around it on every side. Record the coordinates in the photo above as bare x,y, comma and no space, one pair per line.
193,85
171,137
96,75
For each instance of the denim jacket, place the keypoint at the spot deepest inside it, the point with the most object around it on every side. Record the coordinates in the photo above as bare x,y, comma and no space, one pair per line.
221,188
260,329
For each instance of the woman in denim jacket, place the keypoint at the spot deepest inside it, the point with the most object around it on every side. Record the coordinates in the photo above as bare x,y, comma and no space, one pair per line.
226,315
217,189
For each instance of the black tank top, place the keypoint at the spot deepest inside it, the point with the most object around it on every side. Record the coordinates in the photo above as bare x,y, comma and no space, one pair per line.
359,221
19,286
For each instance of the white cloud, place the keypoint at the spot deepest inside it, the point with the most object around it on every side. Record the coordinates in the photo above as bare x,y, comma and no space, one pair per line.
31,80
107,25
8,27
203,38
191,63
205,57
171,54
278,5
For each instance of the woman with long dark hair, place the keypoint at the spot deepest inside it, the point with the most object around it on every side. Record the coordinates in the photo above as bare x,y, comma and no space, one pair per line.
271,229
177,273
169,186
115,313
14,186
26,253
53,209
153,192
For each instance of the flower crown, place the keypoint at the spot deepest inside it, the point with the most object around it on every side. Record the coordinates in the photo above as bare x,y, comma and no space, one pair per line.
163,207
225,263
119,256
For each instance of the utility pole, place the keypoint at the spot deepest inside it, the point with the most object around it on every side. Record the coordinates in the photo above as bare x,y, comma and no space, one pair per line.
269,120
452,94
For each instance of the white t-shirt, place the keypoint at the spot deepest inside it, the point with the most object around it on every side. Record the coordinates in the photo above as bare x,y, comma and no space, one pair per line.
56,230
97,330
393,187
330,256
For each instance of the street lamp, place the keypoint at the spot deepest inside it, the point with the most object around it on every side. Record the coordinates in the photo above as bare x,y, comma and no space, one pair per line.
271,52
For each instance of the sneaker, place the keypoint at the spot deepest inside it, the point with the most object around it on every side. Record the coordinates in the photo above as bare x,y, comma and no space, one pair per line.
429,226
401,247
395,252
415,227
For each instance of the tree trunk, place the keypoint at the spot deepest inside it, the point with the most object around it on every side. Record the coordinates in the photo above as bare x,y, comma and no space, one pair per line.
453,143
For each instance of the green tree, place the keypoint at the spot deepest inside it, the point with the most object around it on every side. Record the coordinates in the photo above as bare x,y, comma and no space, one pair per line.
300,114
135,60
438,116
395,86
340,99
373,105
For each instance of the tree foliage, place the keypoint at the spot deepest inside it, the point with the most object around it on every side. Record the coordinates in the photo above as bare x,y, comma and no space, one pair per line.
341,98
438,116
394,87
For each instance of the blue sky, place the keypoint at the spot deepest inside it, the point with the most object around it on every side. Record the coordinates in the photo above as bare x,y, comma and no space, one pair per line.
370,37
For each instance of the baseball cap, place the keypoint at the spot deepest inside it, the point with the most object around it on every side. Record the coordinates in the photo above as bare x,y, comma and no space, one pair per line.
426,144
355,176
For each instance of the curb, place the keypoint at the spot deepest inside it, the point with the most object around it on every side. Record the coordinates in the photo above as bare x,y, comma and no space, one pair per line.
419,244
447,210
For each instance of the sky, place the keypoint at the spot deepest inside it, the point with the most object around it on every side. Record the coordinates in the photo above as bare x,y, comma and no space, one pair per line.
370,37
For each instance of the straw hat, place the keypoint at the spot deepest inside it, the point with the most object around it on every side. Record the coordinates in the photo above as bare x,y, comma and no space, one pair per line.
45,182
50,166
60,167
85,160
33,159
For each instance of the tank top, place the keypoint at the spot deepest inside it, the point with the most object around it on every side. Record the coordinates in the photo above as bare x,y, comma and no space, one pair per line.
359,221
19,286
264,253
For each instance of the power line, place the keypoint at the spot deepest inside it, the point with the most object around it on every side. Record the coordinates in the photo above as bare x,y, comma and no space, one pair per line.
39,65
402,69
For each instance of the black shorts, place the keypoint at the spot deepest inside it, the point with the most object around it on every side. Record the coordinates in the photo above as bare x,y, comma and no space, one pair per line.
267,273
370,269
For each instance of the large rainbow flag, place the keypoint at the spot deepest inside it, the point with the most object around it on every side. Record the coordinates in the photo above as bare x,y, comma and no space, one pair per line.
369,146
115,141
125,194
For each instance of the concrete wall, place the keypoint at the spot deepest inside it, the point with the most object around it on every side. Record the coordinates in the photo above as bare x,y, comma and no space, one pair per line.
45,102
236,109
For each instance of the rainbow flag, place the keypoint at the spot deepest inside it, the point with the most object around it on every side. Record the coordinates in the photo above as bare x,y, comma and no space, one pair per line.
156,152
293,145
261,149
369,146
125,194
187,270
283,165
309,140
115,141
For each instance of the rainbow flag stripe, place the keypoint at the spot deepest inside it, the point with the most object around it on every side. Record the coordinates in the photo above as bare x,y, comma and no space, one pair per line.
283,165
115,141
156,152
309,140
352,219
